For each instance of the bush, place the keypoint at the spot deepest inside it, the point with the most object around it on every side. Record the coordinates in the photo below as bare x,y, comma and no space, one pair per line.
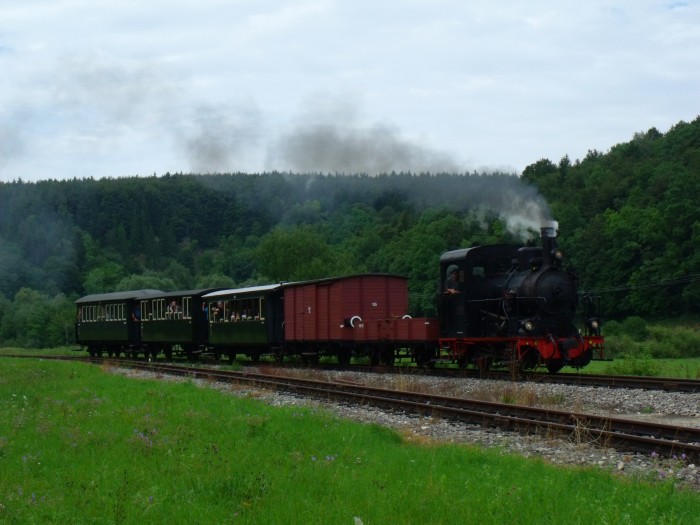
639,364
683,342
634,337
635,327
612,328
621,345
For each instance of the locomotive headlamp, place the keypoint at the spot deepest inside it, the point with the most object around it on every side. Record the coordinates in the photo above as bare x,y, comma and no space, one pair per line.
594,325
528,325
558,254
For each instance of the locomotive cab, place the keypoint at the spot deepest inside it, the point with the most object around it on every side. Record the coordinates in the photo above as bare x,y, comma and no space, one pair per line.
481,276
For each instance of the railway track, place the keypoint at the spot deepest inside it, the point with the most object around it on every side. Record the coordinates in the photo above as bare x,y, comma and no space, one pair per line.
668,384
622,434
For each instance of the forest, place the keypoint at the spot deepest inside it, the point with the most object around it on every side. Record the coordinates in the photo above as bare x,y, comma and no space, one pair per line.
627,218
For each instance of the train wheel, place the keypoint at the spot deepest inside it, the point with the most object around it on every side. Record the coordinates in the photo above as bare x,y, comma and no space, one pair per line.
554,365
387,356
344,357
309,358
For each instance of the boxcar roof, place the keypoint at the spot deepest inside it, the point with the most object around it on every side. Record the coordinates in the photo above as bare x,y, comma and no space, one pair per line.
249,289
118,296
343,278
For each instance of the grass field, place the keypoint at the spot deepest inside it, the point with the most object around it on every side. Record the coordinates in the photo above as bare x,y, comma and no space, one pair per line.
80,445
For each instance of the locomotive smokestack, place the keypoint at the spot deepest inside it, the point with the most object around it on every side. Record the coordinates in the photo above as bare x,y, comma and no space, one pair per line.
549,231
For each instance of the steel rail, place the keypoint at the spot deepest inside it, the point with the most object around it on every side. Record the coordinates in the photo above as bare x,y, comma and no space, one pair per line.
669,384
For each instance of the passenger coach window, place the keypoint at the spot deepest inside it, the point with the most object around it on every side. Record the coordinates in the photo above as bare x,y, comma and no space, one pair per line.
88,313
186,303
245,309
115,312
158,309
145,310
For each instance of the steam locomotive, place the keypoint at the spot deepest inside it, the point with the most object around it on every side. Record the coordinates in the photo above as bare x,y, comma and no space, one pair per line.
516,306
498,305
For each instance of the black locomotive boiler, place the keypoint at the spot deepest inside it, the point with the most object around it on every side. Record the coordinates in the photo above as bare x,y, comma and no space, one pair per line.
514,306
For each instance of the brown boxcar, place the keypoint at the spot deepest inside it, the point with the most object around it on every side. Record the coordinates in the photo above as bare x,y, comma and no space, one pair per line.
357,315
327,309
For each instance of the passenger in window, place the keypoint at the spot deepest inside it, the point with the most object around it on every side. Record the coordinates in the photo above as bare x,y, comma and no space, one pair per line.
218,311
452,284
136,313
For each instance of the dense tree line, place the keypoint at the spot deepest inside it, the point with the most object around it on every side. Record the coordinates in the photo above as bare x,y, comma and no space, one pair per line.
627,218
632,220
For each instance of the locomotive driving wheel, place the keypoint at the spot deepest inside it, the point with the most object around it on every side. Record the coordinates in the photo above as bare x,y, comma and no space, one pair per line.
554,365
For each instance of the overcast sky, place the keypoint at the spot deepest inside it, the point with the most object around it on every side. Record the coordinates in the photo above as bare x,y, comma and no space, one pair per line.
96,88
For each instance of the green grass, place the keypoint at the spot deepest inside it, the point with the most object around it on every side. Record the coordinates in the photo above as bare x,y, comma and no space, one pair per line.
79,445
684,368
61,350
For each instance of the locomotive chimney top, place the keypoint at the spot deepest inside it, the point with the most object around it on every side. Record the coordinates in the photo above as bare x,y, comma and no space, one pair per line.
550,229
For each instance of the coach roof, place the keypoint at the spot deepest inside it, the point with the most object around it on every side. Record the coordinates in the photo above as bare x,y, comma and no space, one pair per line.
118,296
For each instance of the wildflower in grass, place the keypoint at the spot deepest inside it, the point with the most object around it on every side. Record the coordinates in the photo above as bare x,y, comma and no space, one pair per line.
313,458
